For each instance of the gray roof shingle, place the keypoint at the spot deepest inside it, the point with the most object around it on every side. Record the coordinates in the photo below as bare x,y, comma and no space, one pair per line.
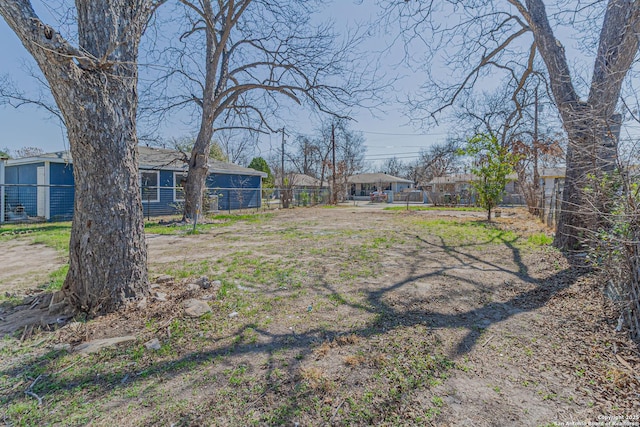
374,178
151,158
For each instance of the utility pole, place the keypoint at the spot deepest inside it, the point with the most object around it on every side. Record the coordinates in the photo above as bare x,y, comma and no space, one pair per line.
334,198
282,162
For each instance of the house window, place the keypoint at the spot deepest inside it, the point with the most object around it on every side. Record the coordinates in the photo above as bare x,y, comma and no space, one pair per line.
179,181
149,185
367,189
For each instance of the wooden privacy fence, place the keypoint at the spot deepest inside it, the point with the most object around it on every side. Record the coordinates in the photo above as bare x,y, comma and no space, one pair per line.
550,203
632,311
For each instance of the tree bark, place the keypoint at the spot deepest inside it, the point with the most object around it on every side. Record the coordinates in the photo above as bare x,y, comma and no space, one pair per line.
94,86
107,251
575,219
197,177
214,84
592,145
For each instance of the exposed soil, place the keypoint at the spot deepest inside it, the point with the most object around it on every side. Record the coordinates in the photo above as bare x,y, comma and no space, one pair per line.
516,337
25,264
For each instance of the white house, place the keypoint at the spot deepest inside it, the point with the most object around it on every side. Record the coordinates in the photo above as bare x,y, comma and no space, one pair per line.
362,185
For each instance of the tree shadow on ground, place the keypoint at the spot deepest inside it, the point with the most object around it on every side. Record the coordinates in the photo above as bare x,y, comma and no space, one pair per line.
387,319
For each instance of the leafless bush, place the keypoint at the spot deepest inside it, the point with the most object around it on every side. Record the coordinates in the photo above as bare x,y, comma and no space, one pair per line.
614,246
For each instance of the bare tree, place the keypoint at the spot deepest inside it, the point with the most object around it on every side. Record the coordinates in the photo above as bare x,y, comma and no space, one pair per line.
516,123
313,154
350,150
238,146
393,166
11,95
506,37
184,144
306,155
28,152
239,60
436,161
94,86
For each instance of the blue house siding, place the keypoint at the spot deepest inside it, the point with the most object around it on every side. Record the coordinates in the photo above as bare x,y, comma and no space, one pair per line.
165,205
61,191
246,196
237,191
61,174
26,195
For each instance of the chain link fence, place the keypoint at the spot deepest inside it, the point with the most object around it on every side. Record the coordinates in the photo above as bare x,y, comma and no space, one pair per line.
34,203
20,203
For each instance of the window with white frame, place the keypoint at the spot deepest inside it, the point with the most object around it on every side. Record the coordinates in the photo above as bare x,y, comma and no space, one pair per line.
179,180
150,186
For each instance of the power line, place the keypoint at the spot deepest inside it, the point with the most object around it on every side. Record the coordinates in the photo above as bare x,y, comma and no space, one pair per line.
404,134
394,147
417,153
385,158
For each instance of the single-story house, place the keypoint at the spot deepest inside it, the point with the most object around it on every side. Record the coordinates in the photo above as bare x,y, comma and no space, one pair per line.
458,189
39,186
300,181
450,189
306,182
364,184
43,186
308,190
302,189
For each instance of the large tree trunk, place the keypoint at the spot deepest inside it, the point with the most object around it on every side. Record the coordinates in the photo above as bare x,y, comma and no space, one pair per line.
195,186
591,155
107,251
214,84
588,124
95,87
575,218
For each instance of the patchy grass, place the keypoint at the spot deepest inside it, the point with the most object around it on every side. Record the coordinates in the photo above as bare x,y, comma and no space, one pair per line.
250,218
434,208
215,221
56,279
55,235
454,232
186,269
540,239
316,322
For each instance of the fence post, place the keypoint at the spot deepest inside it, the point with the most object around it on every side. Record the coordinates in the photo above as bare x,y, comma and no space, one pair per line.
558,206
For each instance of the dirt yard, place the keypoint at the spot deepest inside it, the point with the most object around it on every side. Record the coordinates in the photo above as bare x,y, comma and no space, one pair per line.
25,264
343,316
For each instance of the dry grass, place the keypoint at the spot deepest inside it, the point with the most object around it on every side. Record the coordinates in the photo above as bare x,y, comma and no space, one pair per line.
330,317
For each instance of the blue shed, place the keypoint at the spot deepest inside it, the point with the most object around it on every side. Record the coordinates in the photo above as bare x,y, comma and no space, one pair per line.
42,186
